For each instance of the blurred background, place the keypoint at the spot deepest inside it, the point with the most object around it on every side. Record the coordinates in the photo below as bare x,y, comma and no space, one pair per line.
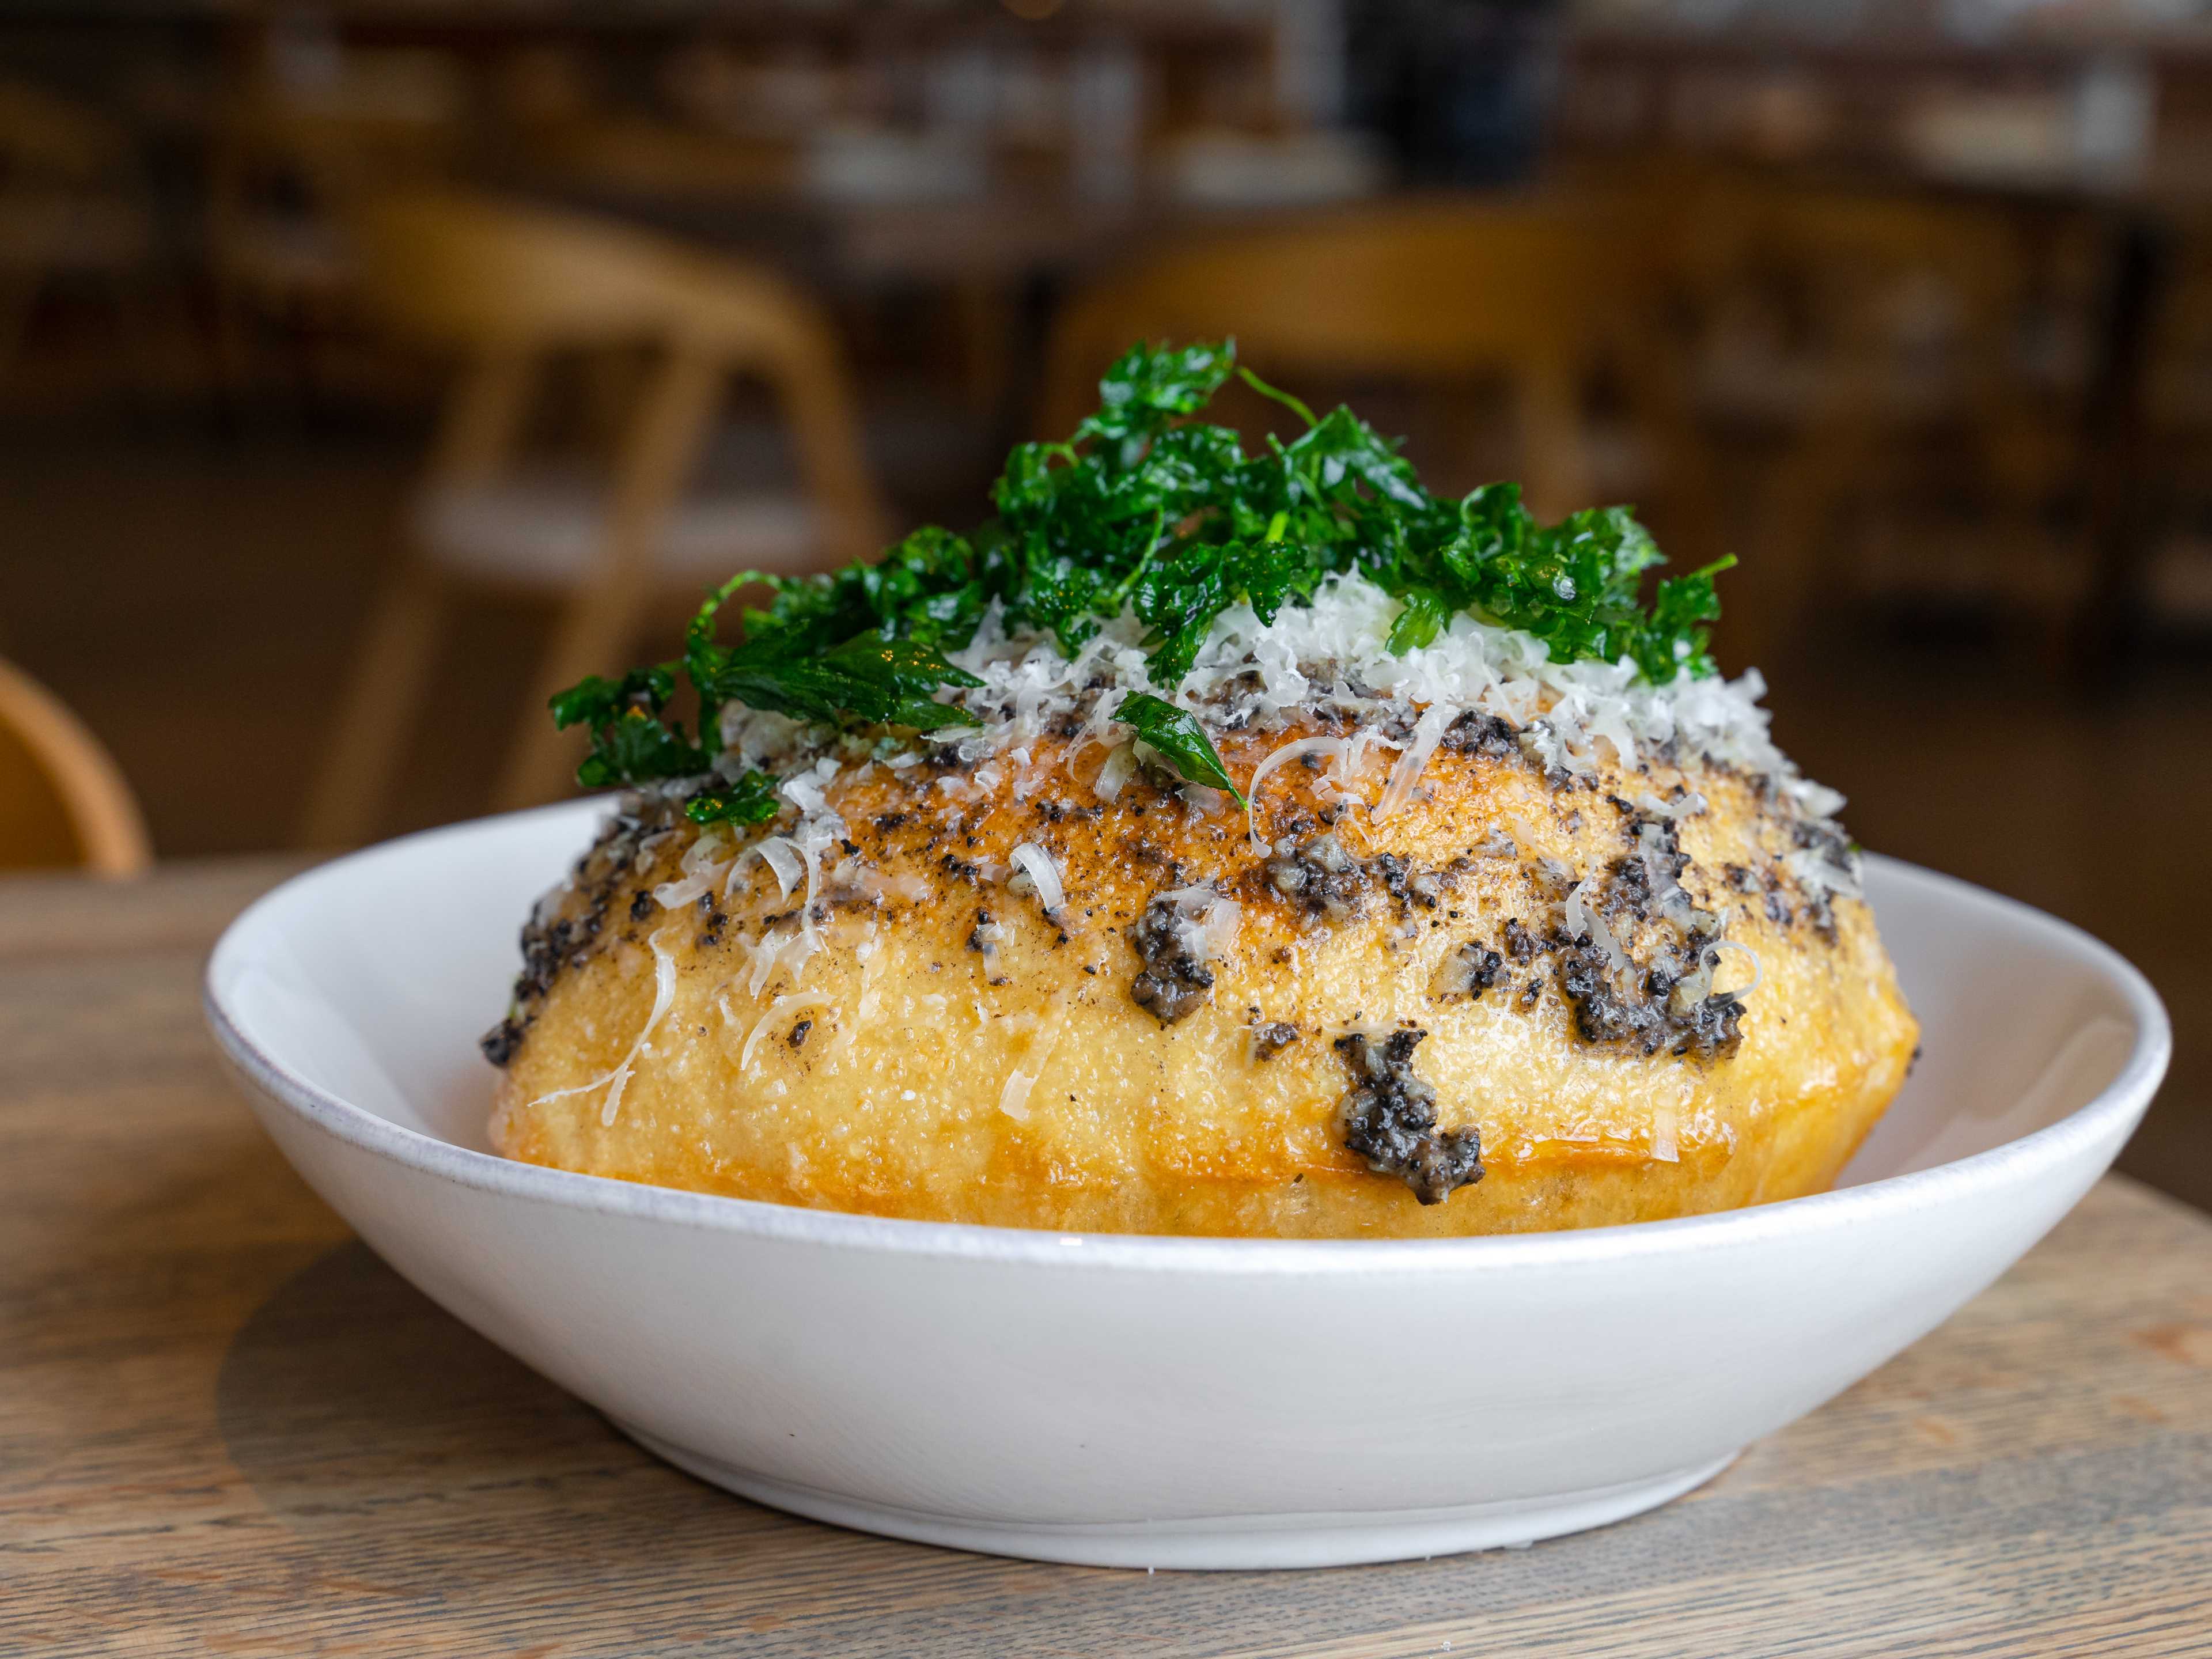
369,369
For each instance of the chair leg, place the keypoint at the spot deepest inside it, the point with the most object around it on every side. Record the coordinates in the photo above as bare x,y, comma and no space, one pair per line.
389,678
604,612
595,625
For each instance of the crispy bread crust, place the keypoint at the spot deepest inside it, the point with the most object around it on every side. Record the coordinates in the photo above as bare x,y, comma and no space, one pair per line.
951,1053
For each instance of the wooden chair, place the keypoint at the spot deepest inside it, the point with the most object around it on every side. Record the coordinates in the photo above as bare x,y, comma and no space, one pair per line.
63,803
508,289
1446,293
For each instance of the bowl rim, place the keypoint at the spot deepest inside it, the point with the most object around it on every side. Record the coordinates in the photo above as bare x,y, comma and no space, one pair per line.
2116,1104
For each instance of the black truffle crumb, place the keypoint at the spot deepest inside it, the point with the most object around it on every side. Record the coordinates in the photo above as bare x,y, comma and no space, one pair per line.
1645,1019
1272,1038
797,1038
1519,943
1469,971
499,1043
1474,733
1390,1120
563,935
1173,981
1322,878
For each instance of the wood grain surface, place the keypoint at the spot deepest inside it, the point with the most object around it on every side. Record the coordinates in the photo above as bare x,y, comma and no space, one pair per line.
226,1427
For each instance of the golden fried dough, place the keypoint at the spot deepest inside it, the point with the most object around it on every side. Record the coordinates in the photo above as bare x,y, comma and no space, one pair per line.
1516,1001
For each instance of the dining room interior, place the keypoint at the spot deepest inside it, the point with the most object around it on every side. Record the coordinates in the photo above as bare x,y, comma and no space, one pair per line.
369,368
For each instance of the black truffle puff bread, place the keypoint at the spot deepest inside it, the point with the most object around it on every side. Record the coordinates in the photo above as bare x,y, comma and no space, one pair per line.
1221,840
1453,974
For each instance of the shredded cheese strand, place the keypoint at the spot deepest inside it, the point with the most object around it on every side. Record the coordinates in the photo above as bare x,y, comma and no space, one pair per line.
1757,971
1283,755
1014,1098
663,992
1035,864
1428,732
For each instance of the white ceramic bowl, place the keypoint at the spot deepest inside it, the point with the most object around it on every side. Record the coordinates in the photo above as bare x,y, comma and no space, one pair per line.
1140,1402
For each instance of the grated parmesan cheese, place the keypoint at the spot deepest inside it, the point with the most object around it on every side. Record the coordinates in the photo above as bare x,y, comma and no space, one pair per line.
663,992
1337,650
1034,868
1014,1096
1428,732
1758,972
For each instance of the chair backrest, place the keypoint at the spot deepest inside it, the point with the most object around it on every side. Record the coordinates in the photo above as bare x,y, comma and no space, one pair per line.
503,284
478,274
481,274
1422,292
63,803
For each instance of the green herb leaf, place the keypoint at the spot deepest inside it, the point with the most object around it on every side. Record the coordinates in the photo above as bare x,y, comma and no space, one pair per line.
1179,737
595,701
1181,596
1423,618
634,747
1143,391
868,680
750,800
1148,508
630,743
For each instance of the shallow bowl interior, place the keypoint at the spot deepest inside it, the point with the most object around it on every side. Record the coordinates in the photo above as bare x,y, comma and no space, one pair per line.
373,989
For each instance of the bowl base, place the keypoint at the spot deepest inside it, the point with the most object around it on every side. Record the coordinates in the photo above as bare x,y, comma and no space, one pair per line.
1229,1542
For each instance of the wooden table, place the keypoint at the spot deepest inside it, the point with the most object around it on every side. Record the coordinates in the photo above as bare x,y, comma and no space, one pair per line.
226,1427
